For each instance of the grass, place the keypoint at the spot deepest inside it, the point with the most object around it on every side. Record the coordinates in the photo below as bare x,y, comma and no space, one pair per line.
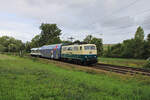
29,79
123,62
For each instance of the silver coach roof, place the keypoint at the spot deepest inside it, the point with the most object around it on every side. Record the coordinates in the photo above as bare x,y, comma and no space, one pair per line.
35,48
51,46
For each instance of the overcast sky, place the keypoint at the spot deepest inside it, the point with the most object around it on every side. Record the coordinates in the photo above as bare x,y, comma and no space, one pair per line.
112,20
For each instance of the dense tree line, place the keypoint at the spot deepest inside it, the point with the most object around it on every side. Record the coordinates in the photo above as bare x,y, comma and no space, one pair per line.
10,44
50,34
136,47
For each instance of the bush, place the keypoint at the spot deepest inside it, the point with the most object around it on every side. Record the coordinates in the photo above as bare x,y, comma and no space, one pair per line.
147,64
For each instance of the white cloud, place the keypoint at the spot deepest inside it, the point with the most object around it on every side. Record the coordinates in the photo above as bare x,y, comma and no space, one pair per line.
115,19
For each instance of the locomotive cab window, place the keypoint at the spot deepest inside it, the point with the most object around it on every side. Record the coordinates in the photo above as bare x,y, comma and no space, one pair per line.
69,48
64,49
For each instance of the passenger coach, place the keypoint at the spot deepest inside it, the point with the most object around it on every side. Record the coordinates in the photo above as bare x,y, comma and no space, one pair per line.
35,52
51,51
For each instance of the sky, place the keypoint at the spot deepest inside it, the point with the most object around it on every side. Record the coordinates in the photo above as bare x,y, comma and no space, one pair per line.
111,20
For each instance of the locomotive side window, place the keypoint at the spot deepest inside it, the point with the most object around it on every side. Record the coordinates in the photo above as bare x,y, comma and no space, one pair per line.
69,48
75,48
89,48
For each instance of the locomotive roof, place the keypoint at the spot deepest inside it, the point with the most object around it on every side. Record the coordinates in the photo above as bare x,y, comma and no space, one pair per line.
78,44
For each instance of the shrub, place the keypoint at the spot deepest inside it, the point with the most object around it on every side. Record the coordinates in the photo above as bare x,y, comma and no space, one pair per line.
147,64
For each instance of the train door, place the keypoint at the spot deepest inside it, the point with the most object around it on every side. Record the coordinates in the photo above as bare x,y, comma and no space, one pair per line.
52,54
56,53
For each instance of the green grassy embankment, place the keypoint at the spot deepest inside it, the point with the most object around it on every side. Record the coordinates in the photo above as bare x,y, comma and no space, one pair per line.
123,62
31,79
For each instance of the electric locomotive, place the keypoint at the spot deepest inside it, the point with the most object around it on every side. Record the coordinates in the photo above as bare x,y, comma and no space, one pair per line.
82,54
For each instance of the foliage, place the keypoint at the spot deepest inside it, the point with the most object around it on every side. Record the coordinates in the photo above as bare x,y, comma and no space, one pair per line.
139,41
49,34
88,39
28,46
146,45
136,47
139,35
147,64
99,45
35,42
97,42
25,79
128,48
2,48
77,41
10,44
67,42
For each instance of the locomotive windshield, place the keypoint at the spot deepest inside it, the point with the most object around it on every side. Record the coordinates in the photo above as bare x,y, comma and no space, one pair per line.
89,48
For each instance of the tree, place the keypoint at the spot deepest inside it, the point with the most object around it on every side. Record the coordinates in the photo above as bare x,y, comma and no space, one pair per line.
146,49
49,34
99,45
28,46
116,50
128,48
139,42
107,52
66,42
10,44
139,35
148,38
88,39
2,48
97,42
132,48
35,42
77,41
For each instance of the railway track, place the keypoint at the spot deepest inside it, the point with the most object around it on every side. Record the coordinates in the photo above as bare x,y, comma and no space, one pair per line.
122,69
114,68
